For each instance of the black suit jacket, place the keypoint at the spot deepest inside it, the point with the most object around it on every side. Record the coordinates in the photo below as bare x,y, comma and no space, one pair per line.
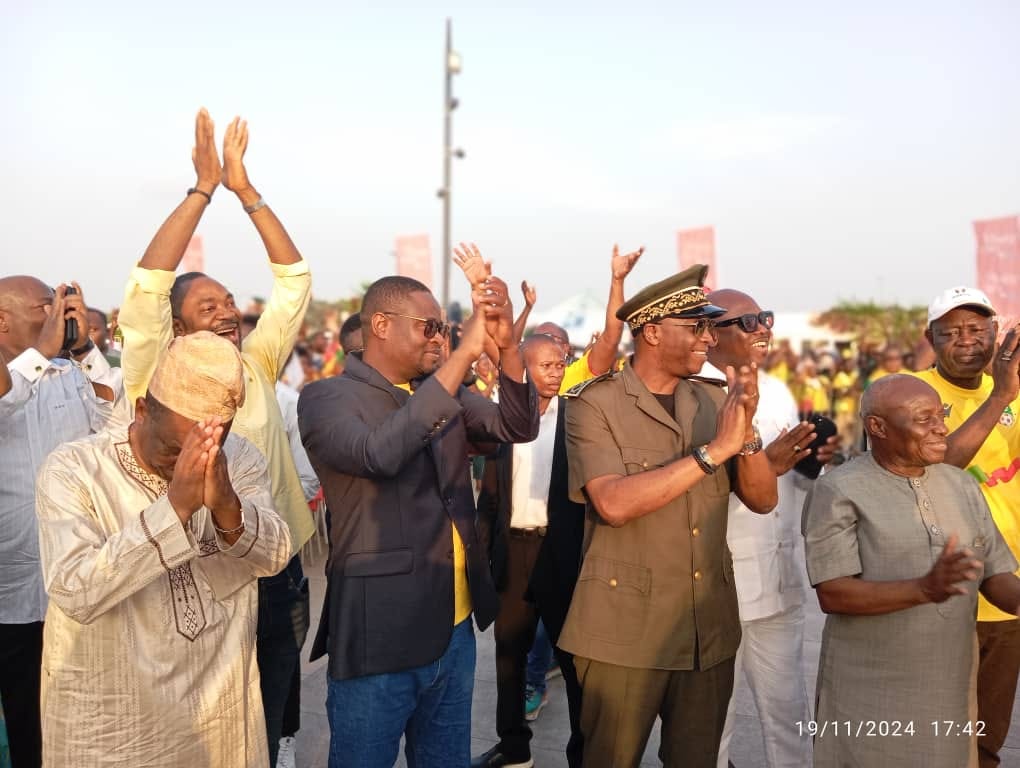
559,558
396,476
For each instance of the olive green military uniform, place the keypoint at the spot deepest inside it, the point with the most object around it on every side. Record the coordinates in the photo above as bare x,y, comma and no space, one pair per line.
653,621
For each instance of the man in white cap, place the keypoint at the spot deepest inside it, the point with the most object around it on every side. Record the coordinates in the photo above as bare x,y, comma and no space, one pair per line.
151,541
981,414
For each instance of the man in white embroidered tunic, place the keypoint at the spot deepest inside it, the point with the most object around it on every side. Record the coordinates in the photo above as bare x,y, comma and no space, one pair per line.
151,542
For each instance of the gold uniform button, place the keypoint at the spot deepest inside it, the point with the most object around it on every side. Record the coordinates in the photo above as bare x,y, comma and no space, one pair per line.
612,582
695,532
697,575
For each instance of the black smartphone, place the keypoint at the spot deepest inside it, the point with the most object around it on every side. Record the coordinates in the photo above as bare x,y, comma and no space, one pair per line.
825,428
70,326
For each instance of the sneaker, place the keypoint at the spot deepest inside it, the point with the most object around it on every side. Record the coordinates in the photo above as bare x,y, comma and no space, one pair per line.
496,759
533,703
554,670
285,754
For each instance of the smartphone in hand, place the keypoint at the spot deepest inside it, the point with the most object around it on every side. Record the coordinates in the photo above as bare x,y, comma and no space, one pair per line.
825,428
70,326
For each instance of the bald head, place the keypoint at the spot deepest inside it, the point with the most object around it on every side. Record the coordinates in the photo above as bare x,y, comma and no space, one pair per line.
17,287
24,307
537,344
890,392
735,346
558,334
546,364
905,421
735,303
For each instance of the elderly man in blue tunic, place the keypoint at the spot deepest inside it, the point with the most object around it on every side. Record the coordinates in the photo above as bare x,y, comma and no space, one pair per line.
898,545
151,540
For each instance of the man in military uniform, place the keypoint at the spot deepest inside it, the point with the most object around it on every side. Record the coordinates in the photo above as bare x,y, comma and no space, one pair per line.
654,455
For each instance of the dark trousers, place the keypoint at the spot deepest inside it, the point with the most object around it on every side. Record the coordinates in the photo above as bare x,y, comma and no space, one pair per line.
292,710
575,746
20,672
998,667
515,628
283,624
621,704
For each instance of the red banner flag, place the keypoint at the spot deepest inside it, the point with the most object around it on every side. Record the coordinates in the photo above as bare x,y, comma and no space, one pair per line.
414,258
998,263
697,246
194,256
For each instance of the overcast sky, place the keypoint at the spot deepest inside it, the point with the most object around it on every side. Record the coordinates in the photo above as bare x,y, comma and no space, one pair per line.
840,150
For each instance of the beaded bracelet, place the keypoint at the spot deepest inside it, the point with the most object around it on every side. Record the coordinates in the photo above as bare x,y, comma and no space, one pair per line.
224,532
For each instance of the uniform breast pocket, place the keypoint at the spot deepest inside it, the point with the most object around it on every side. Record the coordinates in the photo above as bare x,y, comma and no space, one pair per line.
615,599
638,460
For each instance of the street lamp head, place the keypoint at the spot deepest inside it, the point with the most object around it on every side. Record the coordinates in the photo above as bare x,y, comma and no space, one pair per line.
453,63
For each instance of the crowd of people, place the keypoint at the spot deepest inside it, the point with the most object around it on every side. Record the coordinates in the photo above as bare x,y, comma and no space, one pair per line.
631,513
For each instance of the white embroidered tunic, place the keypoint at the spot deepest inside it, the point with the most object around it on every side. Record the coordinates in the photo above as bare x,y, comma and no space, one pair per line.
149,645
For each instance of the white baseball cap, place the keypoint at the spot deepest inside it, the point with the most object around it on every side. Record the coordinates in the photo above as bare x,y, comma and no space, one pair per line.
960,296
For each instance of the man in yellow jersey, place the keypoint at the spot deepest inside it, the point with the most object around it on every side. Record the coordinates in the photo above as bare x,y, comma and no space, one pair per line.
984,439
406,566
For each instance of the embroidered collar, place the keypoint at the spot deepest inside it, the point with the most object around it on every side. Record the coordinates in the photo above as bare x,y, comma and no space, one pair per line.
131,465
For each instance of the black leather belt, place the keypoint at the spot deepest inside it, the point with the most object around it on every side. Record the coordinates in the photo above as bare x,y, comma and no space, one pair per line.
527,533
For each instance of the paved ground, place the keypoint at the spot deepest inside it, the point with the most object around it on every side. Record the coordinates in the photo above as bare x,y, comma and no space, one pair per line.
552,729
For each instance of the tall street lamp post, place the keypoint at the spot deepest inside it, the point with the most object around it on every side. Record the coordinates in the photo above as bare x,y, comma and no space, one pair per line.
451,66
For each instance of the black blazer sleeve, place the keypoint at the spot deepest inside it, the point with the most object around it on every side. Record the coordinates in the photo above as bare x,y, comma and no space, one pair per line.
493,513
333,430
513,420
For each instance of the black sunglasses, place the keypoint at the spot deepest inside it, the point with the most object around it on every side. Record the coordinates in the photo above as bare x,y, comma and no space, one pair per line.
749,323
432,326
701,326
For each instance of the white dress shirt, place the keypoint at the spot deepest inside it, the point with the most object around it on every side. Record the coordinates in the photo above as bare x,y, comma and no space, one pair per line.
532,472
768,551
50,402
287,397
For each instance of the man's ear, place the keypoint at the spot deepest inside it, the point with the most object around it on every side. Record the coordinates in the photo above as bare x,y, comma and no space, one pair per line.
141,409
5,326
928,335
651,333
178,326
875,426
380,326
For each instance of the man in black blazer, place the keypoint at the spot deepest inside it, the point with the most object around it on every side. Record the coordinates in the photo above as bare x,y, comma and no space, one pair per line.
534,533
406,568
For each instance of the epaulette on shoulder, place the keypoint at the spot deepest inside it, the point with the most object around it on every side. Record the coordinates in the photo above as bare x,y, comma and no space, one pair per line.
577,389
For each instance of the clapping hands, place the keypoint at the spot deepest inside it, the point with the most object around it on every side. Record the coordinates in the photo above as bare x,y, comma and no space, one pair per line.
208,168
200,474
235,144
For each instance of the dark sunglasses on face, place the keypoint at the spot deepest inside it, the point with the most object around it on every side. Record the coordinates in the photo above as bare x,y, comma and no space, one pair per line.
701,326
749,323
432,326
